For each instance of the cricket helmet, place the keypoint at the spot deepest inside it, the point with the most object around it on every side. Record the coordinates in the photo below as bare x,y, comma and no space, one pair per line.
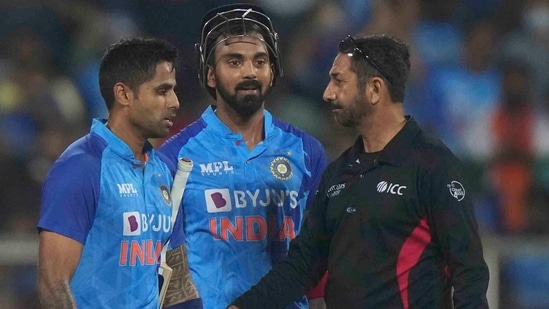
232,20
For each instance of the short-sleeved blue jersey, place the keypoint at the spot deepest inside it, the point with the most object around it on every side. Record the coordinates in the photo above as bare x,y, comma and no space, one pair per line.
98,194
242,207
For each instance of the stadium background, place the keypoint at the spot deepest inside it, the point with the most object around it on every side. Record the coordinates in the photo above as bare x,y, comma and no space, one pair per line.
480,81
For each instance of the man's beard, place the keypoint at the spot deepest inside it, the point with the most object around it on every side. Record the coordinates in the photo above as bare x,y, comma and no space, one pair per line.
247,105
352,116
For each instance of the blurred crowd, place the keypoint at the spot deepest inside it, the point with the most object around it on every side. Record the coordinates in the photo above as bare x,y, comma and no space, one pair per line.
480,82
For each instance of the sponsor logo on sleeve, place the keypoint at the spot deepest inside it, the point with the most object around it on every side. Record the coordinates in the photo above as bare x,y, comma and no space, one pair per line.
456,190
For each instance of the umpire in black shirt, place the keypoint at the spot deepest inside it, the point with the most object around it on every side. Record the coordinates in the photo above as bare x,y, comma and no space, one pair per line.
393,220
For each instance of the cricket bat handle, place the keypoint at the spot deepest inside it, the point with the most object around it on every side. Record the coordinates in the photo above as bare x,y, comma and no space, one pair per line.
184,167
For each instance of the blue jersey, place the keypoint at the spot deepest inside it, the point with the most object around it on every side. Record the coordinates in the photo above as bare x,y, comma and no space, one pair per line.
242,207
98,194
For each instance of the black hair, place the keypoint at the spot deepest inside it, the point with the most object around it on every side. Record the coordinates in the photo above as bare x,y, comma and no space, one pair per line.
389,54
133,62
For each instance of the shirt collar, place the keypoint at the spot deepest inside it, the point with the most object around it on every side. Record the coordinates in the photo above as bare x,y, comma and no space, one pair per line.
117,145
397,149
220,128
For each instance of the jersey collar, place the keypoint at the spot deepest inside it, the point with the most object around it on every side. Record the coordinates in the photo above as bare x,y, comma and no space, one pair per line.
397,149
220,128
117,145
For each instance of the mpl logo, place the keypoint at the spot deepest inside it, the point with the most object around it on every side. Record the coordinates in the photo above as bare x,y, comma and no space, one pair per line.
126,189
218,200
391,188
216,168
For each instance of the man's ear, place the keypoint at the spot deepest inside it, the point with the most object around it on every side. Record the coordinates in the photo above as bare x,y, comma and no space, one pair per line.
123,94
375,85
210,78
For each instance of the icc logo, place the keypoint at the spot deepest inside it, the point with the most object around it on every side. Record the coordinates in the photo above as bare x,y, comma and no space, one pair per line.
391,188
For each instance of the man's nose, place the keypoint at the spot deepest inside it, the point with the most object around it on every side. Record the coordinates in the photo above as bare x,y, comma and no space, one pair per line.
329,94
249,70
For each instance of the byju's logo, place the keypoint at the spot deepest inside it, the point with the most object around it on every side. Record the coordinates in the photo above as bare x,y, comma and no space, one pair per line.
216,168
136,223
391,188
218,200
132,222
456,190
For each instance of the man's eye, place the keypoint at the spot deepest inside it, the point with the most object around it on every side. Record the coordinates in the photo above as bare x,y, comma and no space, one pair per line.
234,62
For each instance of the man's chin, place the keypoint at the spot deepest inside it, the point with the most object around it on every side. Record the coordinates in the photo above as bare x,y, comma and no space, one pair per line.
250,99
344,122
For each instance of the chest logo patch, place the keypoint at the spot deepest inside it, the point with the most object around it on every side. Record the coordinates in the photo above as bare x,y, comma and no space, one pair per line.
456,190
390,188
126,189
281,168
165,192
218,200
335,190
216,168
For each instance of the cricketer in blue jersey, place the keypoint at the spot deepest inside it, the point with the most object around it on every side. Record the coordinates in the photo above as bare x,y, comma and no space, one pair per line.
106,205
253,174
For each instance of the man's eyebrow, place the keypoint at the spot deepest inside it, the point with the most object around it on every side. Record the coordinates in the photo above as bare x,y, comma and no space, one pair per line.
165,86
261,54
232,55
240,56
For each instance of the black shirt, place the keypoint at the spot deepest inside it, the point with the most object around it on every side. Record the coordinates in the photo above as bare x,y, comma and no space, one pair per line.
396,231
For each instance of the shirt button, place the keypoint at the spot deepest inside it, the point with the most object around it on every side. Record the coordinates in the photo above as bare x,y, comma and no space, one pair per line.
248,161
361,176
237,143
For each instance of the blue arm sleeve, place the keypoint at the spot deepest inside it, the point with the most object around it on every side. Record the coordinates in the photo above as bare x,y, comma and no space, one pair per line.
69,197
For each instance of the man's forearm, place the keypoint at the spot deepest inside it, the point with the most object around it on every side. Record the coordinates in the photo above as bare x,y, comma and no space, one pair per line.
58,296
181,287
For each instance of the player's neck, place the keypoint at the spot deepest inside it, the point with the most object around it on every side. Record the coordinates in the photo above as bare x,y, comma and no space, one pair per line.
251,128
129,135
379,129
